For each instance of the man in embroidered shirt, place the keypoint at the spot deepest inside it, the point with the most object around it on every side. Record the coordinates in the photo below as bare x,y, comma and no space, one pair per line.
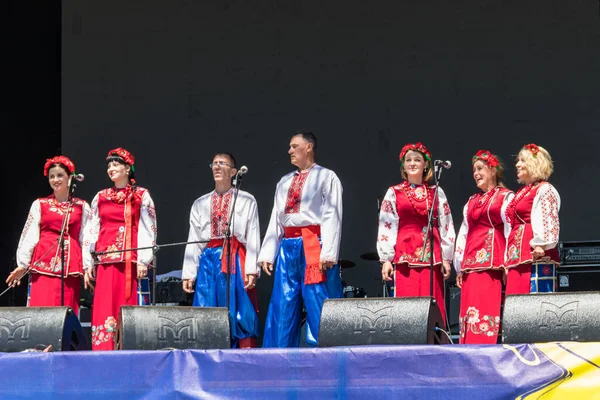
307,212
205,264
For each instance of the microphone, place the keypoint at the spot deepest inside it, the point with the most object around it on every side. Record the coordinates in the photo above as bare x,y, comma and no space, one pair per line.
444,164
243,170
78,177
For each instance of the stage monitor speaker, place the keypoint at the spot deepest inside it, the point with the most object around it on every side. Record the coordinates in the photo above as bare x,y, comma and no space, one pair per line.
37,328
157,328
551,317
402,320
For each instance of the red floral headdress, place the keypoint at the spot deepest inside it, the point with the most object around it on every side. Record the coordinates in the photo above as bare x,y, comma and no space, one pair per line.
533,148
420,147
487,157
124,154
59,160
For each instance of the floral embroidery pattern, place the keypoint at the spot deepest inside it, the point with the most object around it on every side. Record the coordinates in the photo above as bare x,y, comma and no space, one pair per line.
104,333
514,251
482,255
487,325
387,207
446,208
416,256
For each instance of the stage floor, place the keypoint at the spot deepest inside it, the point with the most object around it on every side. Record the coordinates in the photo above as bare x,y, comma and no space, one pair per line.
557,370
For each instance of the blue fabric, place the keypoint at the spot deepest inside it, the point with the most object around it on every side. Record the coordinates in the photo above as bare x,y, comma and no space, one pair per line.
543,278
373,372
211,291
143,290
284,317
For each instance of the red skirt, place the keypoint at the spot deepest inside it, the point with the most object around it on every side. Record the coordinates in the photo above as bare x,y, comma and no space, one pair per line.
414,282
45,291
109,296
480,300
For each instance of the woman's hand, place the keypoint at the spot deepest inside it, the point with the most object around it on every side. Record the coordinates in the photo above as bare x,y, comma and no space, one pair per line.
446,269
387,270
459,281
14,279
537,253
142,271
88,278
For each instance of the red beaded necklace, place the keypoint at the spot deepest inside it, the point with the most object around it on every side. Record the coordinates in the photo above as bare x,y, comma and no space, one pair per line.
119,195
482,200
511,210
417,194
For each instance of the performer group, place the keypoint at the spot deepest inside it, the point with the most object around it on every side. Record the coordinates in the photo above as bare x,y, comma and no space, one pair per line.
506,240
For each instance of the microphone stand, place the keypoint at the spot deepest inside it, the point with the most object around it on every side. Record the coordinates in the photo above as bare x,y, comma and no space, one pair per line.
429,233
237,182
61,238
155,249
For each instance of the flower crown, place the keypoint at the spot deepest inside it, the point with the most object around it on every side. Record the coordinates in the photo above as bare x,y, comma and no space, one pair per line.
420,147
124,154
59,160
533,148
487,157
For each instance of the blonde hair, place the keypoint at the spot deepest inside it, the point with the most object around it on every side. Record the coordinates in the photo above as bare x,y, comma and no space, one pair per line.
427,173
539,166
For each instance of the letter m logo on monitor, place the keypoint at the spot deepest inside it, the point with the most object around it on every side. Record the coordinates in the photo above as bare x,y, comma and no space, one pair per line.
554,316
11,328
177,329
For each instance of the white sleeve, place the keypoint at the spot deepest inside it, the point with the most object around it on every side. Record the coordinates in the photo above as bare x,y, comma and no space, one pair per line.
331,219
446,226
252,240
193,251
507,199
461,240
147,229
275,231
387,231
85,214
544,217
90,234
30,235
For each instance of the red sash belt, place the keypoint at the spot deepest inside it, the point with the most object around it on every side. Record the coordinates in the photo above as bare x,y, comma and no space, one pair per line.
236,248
312,251
128,264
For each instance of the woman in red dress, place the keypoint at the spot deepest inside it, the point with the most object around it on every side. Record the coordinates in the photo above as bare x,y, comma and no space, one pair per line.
401,241
122,217
39,250
532,255
479,254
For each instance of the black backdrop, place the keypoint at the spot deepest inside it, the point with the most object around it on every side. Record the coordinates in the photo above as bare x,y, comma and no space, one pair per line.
176,81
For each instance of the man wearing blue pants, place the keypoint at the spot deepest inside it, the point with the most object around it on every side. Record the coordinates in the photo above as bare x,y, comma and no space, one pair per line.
205,264
302,243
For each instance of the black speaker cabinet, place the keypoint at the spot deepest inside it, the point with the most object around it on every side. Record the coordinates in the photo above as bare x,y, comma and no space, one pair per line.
156,328
580,278
551,317
403,320
37,328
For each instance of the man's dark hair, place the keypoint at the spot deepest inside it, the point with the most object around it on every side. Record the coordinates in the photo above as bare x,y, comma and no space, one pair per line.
228,155
309,137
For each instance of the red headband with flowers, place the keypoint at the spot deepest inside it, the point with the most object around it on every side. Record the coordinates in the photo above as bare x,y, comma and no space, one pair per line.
487,157
59,160
124,154
533,148
420,147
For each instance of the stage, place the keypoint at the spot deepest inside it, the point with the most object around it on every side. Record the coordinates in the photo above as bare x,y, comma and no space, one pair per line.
562,370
